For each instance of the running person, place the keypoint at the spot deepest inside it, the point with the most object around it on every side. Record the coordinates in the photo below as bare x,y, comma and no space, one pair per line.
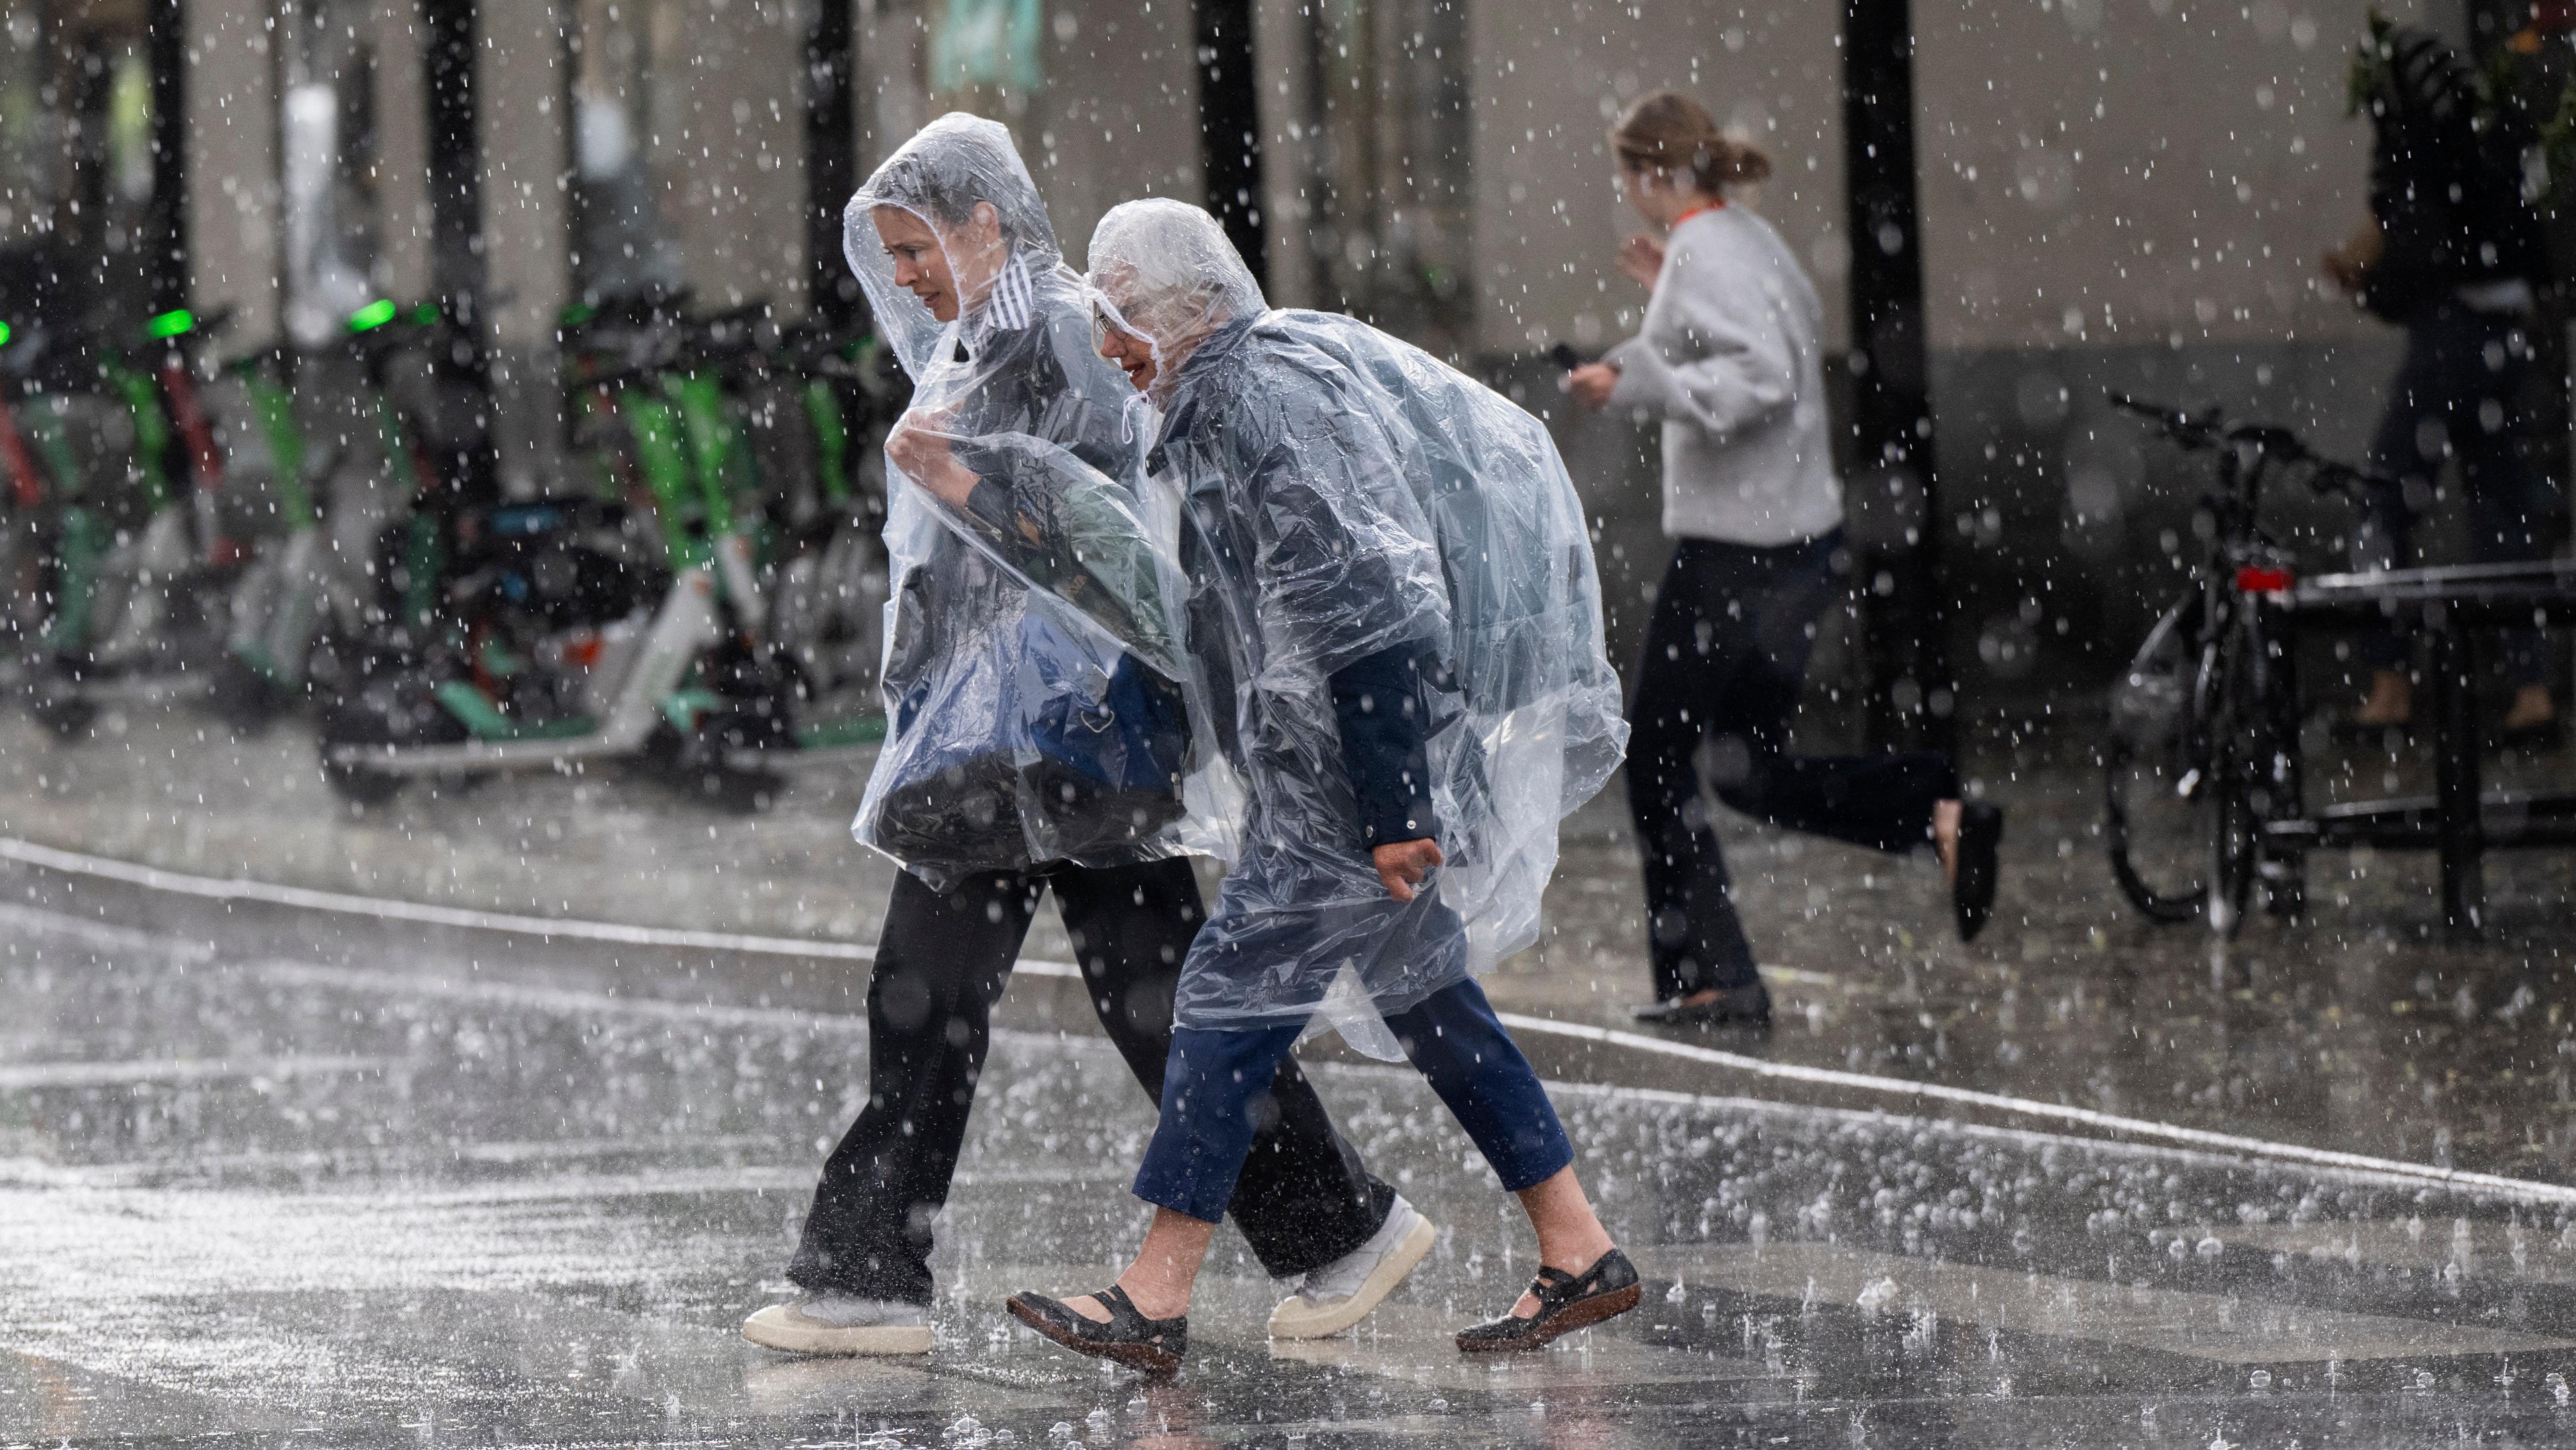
1729,361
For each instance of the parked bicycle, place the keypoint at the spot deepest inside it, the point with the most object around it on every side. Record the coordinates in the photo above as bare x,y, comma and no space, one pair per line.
2203,748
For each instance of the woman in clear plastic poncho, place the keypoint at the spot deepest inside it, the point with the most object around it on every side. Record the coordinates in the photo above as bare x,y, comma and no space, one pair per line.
1394,608
1024,727
1036,743
1360,514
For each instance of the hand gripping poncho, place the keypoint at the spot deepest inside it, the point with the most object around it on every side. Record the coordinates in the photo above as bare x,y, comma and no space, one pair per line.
1036,703
1346,494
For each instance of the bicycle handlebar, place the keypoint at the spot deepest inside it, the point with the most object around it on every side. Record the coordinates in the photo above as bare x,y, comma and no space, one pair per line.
2209,431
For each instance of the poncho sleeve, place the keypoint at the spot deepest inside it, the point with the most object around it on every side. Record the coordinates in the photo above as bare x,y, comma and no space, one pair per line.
1053,449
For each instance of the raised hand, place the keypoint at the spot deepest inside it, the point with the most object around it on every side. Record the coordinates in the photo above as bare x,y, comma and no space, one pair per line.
917,448
1591,383
1641,258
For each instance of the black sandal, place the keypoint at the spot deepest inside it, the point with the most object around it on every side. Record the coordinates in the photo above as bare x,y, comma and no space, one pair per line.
1565,1304
1152,1345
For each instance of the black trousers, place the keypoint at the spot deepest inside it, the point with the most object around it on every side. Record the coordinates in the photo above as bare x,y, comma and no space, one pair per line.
2458,394
1725,656
1304,1198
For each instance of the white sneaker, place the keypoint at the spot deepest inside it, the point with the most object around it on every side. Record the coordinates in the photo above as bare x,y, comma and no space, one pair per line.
1341,1293
841,1324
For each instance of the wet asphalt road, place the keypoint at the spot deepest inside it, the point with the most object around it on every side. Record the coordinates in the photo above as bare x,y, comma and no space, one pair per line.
264,1184
251,1193
2360,1030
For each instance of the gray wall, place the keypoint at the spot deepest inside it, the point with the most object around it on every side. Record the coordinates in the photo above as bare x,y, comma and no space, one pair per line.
1116,114
402,130
232,164
2115,193
742,130
1547,82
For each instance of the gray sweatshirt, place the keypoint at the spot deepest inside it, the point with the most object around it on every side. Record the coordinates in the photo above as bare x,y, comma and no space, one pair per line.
1729,360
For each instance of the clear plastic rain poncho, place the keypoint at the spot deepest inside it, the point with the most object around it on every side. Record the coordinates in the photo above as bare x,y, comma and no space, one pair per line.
1035,696
1347,495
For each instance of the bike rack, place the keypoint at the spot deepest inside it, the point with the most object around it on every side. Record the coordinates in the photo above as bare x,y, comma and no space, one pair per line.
2452,607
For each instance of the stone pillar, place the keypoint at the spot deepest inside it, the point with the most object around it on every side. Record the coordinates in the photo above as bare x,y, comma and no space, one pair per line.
738,154
402,140
232,193
520,85
1285,85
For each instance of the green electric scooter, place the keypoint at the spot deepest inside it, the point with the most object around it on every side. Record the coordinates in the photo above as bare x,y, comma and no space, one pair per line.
140,606
617,626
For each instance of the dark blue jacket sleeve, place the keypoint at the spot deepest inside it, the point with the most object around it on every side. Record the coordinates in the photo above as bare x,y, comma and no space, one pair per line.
1378,703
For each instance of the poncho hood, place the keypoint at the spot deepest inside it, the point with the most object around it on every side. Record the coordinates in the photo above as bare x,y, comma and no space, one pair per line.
947,176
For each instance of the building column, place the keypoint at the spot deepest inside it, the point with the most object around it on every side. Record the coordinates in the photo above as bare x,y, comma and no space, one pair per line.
521,78
1230,128
223,168
738,155
1892,499
831,156
405,219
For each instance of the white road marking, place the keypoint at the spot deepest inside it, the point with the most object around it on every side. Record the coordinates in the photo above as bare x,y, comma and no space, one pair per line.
577,1002
2233,1143
2448,1248
348,904
2224,1328
103,936
154,878
21,1076
569,1001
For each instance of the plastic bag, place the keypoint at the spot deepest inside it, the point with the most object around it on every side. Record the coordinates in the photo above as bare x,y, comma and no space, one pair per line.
1347,494
1036,705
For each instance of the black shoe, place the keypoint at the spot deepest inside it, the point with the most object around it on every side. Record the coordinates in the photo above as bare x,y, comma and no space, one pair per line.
1745,1006
1972,891
1565,1304
1152,1345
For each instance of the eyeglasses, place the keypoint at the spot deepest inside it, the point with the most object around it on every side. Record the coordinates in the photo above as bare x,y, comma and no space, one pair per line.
1103,323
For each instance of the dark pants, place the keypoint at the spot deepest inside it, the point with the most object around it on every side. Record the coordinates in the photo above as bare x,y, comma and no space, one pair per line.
1726,654
1217,1101
941,963
2458,394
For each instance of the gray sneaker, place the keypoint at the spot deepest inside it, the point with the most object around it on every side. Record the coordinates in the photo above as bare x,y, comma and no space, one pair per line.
841,1324
1341,1293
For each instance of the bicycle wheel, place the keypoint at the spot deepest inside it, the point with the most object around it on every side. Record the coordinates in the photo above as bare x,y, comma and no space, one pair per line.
2241,756
2160,791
